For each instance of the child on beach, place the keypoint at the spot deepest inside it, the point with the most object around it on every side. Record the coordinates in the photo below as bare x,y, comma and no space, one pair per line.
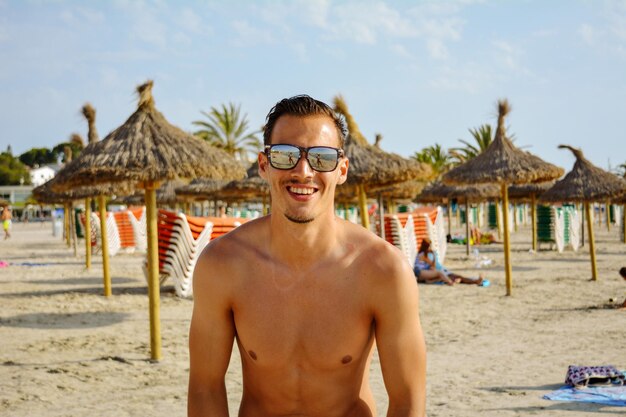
6,222
429,271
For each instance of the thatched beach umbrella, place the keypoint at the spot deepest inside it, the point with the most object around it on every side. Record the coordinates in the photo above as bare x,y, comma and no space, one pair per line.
370,166
529,193
622,200
146,150
201,189
502,163
438,191
166,195
251,187
586,183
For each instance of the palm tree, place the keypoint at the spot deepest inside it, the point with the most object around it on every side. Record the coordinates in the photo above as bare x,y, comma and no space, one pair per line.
483,136
227,129
435,156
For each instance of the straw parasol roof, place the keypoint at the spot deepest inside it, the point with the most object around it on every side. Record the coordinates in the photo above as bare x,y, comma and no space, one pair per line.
147,148
585,182
524,192
370,165
438,191
406,190
251,187
502,162
201,188
143,151
165,195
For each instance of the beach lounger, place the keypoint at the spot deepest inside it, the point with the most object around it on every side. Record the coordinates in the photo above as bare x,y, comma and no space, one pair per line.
181,240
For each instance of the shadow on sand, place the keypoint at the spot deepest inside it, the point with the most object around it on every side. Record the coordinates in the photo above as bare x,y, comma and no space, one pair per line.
84,320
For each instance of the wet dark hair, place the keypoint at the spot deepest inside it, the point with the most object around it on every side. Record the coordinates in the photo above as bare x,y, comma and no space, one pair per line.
424,246
303,106
622,272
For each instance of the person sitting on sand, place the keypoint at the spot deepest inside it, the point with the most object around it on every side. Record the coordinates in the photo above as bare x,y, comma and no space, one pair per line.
429,271
480,238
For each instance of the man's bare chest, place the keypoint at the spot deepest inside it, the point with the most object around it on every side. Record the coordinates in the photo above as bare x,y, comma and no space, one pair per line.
316,321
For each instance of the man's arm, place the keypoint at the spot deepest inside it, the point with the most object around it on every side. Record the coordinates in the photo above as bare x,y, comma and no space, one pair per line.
211,338
399,337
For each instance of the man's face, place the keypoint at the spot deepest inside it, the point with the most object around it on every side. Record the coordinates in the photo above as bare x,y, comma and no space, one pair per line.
301,194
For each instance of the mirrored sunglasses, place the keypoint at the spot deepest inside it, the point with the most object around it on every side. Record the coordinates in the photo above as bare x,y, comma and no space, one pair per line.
320,158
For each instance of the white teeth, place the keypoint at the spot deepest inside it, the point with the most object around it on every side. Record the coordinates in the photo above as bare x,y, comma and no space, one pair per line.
305,191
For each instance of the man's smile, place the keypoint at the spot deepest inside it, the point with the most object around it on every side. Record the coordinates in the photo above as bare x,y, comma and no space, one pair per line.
295,189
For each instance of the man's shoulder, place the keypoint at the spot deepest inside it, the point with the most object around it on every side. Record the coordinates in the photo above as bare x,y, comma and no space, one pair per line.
376,255
238,241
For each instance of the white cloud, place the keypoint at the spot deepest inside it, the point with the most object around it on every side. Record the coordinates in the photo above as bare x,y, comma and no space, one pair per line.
366,23
437,49
249,35
182,39
301,51
110,77
616,16
469,79
147,28
508,56
401,51
190,21
81,15
587,32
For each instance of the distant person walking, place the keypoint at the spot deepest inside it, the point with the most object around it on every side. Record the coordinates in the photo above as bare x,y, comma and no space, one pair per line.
6,222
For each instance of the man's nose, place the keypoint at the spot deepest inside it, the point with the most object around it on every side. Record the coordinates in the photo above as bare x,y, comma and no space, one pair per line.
302,169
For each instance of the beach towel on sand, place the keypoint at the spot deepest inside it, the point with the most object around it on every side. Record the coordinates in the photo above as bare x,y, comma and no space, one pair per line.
607,395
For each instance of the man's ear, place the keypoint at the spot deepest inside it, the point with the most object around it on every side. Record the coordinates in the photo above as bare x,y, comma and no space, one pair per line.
343,170
263,165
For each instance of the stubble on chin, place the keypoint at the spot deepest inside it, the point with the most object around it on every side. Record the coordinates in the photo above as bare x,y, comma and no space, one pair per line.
299,220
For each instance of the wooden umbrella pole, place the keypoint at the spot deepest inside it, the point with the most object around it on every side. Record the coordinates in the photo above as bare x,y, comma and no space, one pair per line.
88,233
515,217
507,244
533,215
582,227
73,229
608,215
624,223
104,241
153,271
66,226
498,226
592,245
449,218
365,219
467,229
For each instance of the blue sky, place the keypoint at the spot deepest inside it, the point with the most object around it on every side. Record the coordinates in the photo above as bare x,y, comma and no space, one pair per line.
418,72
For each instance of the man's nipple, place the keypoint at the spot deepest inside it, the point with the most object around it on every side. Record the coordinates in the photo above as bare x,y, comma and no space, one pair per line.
346,359
252,354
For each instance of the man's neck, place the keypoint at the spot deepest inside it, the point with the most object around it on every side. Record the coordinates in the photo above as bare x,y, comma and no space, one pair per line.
302,244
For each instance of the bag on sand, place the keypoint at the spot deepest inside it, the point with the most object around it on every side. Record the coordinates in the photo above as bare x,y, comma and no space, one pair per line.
582,376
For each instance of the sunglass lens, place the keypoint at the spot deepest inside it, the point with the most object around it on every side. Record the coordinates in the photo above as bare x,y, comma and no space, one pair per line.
323,159
284,156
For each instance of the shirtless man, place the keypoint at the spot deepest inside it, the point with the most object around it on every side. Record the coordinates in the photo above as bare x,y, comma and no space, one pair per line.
305,294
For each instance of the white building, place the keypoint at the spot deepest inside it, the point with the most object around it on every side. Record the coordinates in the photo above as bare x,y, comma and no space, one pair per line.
42,174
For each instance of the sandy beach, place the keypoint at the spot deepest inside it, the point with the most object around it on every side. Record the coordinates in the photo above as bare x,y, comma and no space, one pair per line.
68,351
